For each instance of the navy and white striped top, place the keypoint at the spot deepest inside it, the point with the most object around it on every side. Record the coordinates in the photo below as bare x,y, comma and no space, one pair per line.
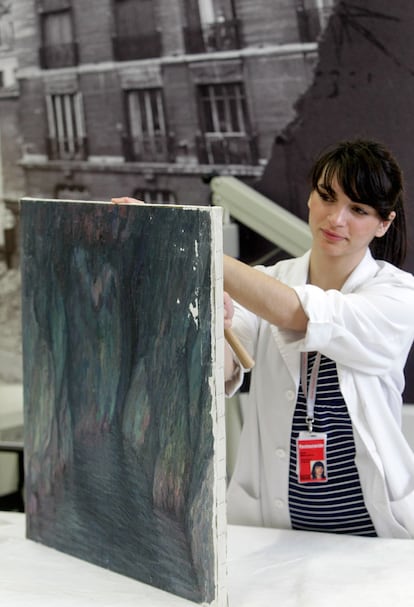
335,506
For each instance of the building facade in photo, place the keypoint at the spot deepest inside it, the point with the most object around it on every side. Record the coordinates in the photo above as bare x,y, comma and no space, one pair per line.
149,98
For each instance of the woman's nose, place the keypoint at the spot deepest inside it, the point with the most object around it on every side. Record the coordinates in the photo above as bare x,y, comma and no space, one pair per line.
337,216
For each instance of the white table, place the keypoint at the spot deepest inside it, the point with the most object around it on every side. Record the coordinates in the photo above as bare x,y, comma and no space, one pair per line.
267,568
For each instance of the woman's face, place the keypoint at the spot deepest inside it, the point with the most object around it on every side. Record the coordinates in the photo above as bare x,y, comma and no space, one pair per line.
340,226
318,471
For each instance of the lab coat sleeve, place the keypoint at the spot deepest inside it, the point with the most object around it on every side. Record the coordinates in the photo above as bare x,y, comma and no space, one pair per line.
367,329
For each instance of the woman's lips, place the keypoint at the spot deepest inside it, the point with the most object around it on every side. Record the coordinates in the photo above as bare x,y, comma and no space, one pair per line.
332,236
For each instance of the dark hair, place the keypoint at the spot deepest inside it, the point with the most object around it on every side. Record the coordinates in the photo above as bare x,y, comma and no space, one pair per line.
368,173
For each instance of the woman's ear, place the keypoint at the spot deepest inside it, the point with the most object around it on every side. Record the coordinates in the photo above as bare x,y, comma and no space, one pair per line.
385,224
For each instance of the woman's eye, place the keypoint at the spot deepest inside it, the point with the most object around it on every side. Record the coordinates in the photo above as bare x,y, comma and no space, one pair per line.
360,211
325,196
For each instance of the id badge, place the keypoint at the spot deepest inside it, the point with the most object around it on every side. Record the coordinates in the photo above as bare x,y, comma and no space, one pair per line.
311,457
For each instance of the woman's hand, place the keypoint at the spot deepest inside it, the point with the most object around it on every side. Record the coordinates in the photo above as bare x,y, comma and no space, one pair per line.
126,200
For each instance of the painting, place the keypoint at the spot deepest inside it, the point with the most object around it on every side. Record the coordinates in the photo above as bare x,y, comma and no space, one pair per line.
122,312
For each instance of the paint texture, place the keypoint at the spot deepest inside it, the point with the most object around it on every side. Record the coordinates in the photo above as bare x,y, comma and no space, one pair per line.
119,386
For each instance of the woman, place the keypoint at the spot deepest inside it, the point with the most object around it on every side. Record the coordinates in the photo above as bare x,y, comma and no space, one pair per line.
318,471
330,333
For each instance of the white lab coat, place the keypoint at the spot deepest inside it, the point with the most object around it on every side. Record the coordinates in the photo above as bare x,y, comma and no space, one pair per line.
368,329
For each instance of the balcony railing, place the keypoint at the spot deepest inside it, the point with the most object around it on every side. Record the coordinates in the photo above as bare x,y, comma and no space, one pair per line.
155,148
58,55
219,36
67,148
220,148
127,48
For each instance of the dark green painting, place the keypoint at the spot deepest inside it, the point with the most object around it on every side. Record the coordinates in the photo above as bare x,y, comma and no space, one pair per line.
123,389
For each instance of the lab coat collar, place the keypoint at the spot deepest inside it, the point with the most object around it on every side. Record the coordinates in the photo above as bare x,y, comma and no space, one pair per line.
366,268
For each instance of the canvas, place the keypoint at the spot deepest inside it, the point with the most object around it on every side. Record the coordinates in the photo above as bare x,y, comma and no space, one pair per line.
122,311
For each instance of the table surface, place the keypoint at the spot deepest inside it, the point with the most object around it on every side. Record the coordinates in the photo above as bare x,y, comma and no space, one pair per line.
266,568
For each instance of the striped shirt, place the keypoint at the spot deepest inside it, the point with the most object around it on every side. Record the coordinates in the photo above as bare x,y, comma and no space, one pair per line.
335,506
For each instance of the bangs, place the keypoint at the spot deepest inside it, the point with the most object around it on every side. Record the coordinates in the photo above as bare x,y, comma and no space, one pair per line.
359,179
